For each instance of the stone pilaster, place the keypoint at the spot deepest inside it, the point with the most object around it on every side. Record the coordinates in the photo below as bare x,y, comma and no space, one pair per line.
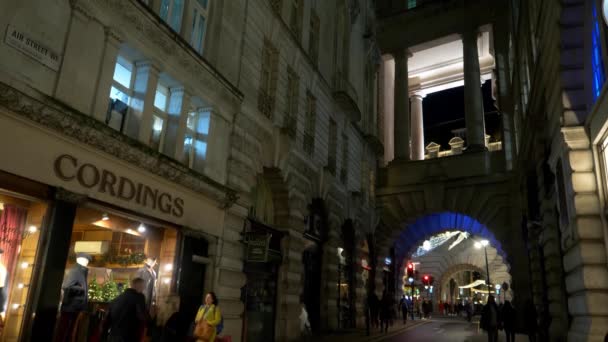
140,118
417,128
582,238
105,75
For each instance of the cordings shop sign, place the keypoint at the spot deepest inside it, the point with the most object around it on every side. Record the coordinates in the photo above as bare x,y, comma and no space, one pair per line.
68,168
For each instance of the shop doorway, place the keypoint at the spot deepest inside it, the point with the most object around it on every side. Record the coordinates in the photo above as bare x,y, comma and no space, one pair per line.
192,275
312,285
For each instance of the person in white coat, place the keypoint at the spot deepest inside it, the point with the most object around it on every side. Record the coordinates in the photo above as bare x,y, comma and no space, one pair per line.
304,323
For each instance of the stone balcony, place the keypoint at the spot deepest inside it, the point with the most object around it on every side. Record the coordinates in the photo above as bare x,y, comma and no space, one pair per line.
401,173
346,96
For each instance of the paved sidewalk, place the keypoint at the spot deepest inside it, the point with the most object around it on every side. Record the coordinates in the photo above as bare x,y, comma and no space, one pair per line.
358,335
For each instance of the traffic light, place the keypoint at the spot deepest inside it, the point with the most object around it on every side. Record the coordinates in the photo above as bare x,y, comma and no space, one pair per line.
410,270
425,280
431,279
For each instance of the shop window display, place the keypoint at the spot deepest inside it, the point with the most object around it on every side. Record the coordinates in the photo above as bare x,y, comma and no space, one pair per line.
20,225
107,250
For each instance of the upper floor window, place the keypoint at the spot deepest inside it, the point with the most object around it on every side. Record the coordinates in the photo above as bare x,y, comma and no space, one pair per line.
309,129
331,154
171,13
597,63
197,133
295,18
293,97
268,79
199,24
159,118
313,43
122,85
343,171
411,4
276,5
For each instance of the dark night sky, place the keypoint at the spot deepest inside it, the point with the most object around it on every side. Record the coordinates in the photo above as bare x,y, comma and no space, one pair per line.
444,111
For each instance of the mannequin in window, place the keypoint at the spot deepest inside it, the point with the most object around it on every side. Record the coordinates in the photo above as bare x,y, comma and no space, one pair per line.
3,284
148,274
74,304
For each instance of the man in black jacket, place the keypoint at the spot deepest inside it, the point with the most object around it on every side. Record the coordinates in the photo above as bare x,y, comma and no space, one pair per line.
127,314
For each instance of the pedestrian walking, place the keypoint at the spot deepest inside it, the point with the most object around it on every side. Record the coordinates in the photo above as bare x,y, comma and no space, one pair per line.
209,321
127,315
530,318
490,319
403,307
374,308
507,316
385,311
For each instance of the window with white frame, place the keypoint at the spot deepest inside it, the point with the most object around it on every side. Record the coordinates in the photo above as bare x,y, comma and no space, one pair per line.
200,11
197,133
171,13
313,42
122,85
159,118
268,79
121,93
309,128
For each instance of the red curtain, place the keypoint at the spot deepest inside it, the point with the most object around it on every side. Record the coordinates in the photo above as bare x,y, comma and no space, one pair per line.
12,224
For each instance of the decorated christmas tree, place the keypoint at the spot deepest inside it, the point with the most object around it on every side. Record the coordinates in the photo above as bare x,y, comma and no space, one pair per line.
95,293
109,290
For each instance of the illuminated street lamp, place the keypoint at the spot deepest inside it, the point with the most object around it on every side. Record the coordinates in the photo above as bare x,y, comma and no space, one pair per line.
485,243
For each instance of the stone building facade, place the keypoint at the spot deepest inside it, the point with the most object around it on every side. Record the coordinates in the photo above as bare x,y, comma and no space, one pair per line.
259,115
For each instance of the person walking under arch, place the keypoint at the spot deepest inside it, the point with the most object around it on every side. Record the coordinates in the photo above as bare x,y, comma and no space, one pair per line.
490,319
508,320
403,308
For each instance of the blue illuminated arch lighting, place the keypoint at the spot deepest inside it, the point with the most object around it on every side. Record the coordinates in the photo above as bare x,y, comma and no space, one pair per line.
423,228
599,77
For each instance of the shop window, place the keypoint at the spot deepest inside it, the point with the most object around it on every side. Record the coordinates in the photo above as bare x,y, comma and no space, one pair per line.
159,119
171,13
597,62
119,248
197,135
199,24
311,118
20,229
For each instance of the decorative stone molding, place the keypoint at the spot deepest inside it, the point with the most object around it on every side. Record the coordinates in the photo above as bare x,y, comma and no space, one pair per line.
87,130
229,200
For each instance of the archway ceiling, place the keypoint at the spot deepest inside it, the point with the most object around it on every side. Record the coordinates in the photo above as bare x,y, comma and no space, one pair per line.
441,260
414,234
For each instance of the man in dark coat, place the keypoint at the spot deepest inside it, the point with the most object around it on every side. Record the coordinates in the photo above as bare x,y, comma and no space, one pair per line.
127,314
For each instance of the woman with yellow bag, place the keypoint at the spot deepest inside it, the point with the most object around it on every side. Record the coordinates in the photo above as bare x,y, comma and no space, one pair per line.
208,320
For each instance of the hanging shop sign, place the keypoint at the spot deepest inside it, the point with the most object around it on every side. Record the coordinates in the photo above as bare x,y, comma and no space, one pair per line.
257,246
27,45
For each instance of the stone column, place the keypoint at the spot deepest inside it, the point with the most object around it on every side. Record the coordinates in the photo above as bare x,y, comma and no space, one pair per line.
417,128
179,106
402,106
139,125
106,75
473,100
386,105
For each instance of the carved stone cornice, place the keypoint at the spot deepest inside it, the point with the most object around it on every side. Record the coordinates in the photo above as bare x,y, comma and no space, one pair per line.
88,131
